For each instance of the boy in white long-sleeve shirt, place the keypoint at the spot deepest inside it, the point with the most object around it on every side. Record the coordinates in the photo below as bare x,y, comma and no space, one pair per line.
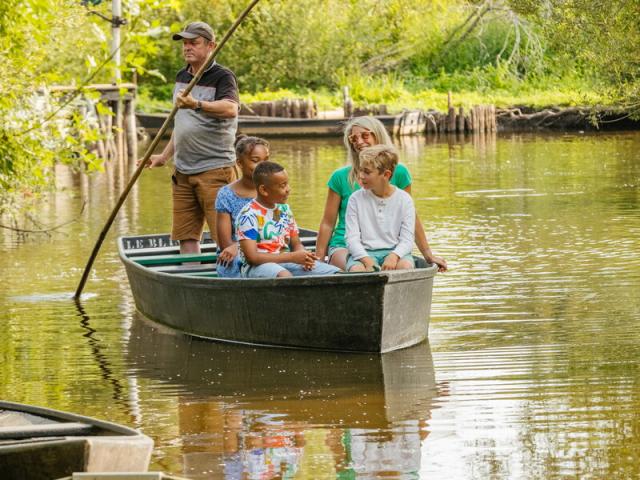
380,220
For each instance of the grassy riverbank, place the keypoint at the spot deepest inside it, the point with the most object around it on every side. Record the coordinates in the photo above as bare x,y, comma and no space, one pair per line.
398,94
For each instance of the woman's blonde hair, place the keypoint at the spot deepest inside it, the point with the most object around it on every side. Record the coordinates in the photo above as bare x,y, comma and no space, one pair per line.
371,124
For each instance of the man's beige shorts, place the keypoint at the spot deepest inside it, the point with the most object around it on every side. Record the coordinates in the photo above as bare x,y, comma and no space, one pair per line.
194,200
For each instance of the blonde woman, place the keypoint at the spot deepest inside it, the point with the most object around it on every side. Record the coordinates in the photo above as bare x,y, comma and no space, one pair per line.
360,132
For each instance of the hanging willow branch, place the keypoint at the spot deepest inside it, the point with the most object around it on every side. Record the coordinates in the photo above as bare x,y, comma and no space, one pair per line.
46,230
467,27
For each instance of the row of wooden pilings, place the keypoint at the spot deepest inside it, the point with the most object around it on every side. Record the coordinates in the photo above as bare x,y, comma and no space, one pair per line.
286,108
479,119
116,124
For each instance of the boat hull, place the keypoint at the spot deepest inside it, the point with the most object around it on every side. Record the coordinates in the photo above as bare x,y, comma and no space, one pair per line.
46,455
377,312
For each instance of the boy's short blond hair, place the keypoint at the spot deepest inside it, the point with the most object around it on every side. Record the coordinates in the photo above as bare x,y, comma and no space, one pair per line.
381,157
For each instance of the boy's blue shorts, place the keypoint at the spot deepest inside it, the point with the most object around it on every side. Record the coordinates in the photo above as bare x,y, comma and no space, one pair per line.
378,257
271,270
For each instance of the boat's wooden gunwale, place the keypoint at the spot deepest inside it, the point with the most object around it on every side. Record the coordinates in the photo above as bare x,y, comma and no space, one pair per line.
175,249
340,279
77,444
58,415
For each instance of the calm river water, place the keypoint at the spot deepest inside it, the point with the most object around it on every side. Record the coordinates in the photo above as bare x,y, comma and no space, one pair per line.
532,369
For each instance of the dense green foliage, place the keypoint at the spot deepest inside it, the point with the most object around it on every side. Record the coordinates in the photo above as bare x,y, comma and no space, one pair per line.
406,53
45,43
315,44
28,152
601,37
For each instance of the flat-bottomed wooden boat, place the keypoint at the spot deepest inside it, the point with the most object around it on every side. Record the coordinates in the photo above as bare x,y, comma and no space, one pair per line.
41,443
371,312
405,123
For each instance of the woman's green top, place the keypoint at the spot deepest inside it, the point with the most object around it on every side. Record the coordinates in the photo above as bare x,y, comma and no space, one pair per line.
339,183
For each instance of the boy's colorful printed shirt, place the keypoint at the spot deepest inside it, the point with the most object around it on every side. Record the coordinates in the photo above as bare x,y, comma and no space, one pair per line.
270,228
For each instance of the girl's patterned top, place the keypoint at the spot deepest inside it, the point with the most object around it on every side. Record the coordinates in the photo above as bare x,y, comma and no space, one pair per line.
229,202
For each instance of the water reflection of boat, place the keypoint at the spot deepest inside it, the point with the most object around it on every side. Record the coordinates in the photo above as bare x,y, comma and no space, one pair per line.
255,409
331,385
372,312
41,443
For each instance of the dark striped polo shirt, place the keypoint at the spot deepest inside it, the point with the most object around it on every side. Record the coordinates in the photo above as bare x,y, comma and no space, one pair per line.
202,142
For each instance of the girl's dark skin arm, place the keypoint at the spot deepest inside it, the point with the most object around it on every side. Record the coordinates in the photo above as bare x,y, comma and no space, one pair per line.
228,248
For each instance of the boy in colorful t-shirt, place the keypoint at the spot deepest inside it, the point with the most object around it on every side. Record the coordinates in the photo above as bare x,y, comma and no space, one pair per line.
269,243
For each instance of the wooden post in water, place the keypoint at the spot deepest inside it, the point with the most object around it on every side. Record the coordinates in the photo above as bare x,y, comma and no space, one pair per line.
432,127
467,122
131,129
131,126
287,108
347,103
461,120
313,111
451,120
442,123
487,119
494,124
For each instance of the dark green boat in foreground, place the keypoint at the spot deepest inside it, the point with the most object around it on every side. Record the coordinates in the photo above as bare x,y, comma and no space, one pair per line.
370,312
38,443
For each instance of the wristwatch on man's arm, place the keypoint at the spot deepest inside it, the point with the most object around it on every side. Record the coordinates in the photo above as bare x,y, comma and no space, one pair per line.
198,106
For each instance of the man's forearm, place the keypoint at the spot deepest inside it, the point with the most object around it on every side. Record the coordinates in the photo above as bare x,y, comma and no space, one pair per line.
220,109
169,149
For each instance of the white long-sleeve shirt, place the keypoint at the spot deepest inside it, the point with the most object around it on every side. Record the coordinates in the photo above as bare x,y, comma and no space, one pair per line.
374,223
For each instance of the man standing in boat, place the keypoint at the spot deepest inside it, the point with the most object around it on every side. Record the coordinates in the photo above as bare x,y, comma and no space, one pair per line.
202,140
